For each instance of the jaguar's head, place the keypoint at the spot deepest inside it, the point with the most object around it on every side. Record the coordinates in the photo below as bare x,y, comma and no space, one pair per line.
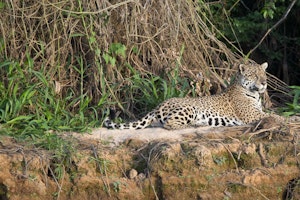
253,77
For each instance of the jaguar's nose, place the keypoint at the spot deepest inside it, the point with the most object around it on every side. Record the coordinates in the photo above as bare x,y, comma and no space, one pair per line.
264,82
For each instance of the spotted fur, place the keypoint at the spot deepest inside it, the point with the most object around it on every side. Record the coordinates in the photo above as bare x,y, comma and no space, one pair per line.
240,104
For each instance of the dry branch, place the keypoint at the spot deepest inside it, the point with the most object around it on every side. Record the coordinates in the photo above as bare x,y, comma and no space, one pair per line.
273,27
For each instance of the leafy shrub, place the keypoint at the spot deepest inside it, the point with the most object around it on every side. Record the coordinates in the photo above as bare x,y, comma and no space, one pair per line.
294,107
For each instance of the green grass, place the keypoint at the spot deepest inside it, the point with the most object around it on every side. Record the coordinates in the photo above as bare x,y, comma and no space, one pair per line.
29,104
144,92
294,107
150,90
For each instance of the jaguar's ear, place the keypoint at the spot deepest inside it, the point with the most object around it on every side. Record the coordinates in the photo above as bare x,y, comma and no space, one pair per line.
242,68
264,65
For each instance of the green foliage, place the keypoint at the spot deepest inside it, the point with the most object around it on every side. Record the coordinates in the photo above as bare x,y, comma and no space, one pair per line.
30,106
244,23
116,185
150,90
219,160
292,108
145,91
63,151
116,49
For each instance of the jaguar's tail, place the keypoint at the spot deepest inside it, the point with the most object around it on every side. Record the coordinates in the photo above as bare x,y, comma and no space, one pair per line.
140,124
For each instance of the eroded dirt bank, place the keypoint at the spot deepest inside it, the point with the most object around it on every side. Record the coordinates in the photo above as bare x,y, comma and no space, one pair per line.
230,163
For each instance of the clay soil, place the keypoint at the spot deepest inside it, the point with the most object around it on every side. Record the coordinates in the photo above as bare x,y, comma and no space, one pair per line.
220,163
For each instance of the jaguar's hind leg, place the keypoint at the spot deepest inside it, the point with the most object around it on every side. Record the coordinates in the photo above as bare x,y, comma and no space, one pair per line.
178,120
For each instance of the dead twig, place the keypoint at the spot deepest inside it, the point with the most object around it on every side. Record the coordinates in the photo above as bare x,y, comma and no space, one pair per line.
105,182
235,163
56,181
261,153
261,131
